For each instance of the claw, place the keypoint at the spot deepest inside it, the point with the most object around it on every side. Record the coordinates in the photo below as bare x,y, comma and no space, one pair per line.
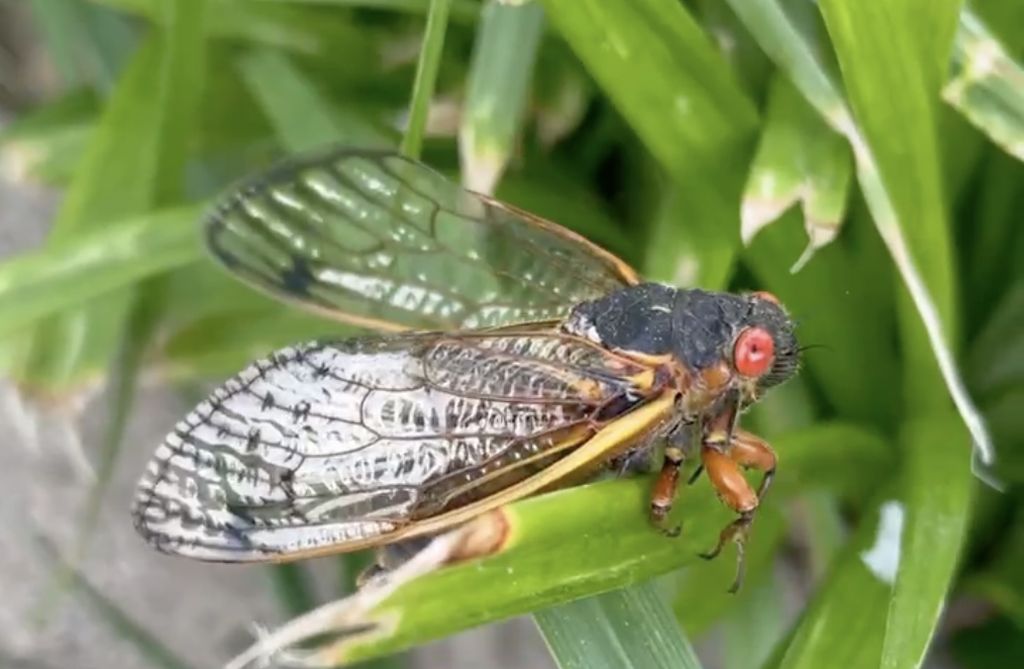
737,532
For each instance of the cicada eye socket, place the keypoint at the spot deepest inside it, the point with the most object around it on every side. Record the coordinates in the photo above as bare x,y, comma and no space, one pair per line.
766,296
754,352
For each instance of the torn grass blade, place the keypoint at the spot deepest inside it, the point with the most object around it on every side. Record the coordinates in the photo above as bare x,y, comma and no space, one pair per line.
986,85
504,53
799,160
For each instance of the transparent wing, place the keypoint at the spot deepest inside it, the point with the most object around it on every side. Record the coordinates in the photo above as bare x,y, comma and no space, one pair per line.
382,241
334,446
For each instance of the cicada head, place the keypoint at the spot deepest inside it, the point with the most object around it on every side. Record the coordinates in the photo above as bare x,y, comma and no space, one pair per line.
763,351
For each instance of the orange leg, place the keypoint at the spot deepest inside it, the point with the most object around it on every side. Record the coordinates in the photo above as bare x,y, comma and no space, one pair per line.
664,493
752,452
722,462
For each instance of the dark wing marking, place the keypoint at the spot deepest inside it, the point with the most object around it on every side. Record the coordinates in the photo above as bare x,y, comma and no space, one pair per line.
331,445
382,241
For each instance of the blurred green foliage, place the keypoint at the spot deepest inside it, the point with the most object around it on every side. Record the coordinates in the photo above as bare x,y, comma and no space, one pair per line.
884,137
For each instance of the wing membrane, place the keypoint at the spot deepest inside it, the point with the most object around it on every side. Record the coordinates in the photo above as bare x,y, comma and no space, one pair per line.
381,241
336,445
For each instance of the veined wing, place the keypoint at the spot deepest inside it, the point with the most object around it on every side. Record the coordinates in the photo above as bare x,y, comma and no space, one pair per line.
334,446
381,241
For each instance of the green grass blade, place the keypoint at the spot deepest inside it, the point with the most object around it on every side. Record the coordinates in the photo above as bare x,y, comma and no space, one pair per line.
677,93
71,273
623,629
592,539
986,85
938,489
504,53
426,77
844,624
135,160
899,172
864,31
301,116
799,160
267,24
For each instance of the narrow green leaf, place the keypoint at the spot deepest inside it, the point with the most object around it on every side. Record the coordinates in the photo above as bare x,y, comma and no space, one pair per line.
986,85
504,53
681,256
301,116
799,159
937,489
135,160
73,272
667,79
904,155
267,24
584,541
622,629
426,77
909,71
845,622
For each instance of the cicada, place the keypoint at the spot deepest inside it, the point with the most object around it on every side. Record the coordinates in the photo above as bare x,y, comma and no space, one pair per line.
515,356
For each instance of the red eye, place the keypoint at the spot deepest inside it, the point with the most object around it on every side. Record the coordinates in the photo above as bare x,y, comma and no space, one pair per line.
766,296
754,351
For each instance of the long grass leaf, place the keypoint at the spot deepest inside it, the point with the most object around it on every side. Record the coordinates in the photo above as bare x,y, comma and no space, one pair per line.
73,272
677,93
571,544
781,40
300,115
135,160
632,628
504,53
426,77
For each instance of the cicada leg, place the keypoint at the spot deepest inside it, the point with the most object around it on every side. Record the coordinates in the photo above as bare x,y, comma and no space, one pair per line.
664,493
722,460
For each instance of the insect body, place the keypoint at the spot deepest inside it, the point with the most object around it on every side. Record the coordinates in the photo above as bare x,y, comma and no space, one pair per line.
534,355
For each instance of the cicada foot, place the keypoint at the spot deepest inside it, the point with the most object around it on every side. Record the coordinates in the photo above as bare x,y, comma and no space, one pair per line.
737,532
